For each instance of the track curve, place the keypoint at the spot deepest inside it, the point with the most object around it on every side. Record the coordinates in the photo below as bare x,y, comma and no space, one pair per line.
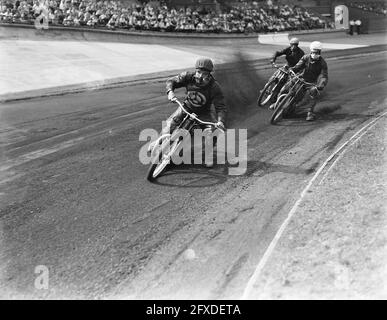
74,195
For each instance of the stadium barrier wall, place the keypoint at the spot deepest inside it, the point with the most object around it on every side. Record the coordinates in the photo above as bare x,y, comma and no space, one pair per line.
29,32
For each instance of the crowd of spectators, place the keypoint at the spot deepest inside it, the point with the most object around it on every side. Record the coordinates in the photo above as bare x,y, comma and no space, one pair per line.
376,6
243,17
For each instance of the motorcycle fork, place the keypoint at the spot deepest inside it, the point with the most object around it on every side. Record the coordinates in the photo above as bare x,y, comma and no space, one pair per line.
293,92
277,81
297,95
186,124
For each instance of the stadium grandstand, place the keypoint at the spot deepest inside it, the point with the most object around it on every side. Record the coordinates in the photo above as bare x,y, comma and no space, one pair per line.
199,16
378,7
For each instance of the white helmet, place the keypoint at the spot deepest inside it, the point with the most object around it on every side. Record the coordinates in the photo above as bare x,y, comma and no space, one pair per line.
294,41
316,45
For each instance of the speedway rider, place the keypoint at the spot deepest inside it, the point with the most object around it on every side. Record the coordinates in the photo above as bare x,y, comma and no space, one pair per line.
293,53
202,91
314,69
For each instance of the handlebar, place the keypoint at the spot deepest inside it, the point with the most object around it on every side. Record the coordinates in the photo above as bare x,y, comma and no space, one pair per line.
193,116
299,78
279,67
294,75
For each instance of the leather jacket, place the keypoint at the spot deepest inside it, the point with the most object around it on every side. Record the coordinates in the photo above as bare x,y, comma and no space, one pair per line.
313,70
292,56
200,98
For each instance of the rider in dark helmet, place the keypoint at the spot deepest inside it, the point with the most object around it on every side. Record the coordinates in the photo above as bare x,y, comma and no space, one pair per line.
202,91
292,53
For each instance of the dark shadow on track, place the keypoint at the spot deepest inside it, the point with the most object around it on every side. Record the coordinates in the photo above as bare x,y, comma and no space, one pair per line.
343,116
262,168
208,177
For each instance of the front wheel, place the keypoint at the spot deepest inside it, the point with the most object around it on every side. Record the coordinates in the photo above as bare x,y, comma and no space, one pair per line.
284,101
266,93
162,158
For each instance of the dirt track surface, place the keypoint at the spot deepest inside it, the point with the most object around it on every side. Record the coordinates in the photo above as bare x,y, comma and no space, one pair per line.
336,246
74,197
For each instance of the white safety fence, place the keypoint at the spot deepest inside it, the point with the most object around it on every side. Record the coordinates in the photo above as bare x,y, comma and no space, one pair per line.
283,39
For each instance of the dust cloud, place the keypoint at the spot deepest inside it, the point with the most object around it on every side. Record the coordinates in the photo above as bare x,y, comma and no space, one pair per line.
240,83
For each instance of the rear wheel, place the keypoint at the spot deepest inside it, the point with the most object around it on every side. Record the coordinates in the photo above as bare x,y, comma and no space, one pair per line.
266,93
284,101
162,158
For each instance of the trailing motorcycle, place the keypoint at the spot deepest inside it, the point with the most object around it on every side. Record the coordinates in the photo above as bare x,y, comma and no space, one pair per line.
287,102
273,86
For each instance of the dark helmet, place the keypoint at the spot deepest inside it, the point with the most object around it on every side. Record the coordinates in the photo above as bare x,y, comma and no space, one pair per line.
204,63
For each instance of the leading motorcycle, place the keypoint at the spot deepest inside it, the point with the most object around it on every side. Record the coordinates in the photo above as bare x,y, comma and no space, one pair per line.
163,149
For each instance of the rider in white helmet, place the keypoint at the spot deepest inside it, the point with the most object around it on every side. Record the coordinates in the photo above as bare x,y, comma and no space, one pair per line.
293,53
314,69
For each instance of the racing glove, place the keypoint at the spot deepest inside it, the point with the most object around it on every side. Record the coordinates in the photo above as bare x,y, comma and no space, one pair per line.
171,96
220,125
314,91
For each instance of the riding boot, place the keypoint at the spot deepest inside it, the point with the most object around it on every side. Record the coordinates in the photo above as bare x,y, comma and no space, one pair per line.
311,115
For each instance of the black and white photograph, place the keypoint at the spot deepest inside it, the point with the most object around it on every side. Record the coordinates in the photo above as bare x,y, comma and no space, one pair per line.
193,150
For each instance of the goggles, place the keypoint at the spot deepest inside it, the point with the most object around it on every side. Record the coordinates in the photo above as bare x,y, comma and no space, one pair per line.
315,53
202,77
203,74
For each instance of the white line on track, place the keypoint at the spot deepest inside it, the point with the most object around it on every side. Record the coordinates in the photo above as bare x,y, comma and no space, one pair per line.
340,156
273,243
332,165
